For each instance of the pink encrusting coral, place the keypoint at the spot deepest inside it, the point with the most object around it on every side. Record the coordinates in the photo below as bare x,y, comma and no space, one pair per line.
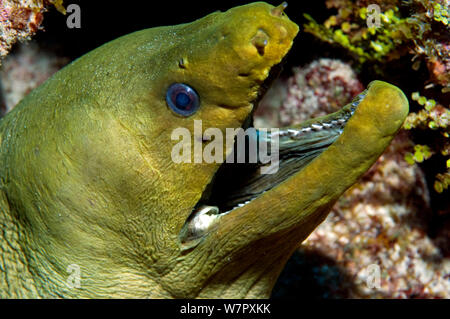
19,20
319,88
440,66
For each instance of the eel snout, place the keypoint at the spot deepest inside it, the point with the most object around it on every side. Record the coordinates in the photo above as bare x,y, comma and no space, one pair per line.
260,35
391,107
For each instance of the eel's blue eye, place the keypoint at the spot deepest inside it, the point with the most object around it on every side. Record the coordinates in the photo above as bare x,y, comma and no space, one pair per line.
182,99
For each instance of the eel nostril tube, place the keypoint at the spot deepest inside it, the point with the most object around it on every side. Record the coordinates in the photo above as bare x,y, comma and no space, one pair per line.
260,41
277,11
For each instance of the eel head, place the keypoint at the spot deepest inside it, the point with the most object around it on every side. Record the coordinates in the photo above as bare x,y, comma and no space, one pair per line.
100,189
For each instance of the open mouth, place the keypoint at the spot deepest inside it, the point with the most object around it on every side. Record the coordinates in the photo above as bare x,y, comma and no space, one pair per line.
236,185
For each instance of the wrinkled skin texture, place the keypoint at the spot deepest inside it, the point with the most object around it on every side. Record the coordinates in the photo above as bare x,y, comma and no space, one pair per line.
87,176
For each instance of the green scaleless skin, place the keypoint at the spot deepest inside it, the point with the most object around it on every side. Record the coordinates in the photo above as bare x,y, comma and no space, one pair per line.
87,176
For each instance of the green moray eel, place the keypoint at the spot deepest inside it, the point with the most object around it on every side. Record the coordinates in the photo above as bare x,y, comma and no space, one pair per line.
88,183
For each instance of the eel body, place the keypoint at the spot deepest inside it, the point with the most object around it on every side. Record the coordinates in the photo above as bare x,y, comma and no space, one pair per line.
88,181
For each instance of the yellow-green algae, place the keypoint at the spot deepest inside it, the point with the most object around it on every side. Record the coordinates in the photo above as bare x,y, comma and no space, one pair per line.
86,176
434,116
416,27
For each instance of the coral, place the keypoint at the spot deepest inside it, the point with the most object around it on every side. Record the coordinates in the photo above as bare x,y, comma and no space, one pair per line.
21,19
24,70
319,88
417,27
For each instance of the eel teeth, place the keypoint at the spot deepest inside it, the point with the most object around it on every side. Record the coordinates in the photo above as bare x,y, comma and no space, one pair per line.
242,204
337,123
